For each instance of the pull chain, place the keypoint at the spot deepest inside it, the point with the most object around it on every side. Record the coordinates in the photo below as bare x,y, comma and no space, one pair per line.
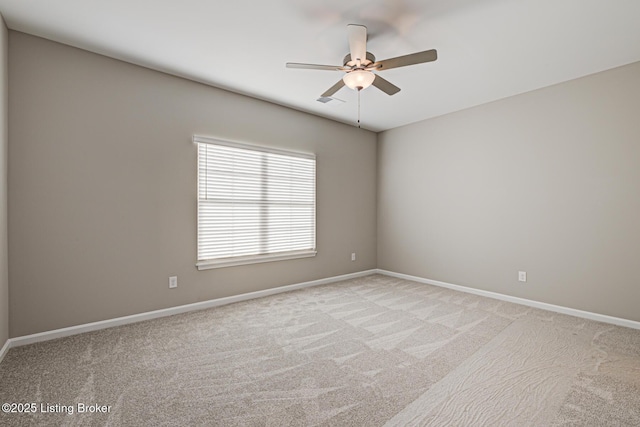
359,108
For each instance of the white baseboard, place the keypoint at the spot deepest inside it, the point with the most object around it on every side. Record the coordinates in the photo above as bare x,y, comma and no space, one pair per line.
94,326
103,324
5,348
531,303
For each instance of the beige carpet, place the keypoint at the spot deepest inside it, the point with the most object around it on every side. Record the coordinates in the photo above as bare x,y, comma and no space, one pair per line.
371,351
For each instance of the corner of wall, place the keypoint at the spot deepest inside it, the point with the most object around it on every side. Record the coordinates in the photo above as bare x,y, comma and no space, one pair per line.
4,143
377,195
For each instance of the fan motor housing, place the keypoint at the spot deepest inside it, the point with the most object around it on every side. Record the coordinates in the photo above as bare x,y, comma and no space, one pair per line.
370,59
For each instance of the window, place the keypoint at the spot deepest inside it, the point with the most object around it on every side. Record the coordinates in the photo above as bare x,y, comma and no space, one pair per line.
255,204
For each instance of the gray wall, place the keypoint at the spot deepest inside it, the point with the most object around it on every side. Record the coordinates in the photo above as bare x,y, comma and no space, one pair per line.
102,201
102,191
547,182
4,144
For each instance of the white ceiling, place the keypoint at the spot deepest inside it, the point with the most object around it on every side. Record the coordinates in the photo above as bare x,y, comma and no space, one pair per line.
488,49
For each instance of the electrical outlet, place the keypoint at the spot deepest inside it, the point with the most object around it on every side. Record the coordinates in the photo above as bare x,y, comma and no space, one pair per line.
173,282
522,276
353,256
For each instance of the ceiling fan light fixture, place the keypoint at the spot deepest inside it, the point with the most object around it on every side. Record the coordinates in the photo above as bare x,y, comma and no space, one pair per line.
358,79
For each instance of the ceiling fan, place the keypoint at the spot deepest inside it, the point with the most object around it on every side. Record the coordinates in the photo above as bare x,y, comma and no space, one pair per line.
359,65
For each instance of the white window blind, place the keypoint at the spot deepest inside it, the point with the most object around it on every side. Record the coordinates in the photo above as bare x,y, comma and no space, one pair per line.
255,204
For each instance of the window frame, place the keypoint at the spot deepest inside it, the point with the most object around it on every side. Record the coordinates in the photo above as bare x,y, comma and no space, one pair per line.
205,264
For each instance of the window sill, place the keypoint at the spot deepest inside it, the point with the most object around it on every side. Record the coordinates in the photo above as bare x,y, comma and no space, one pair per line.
254,259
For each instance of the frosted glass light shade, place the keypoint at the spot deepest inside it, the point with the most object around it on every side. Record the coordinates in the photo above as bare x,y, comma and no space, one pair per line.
359,79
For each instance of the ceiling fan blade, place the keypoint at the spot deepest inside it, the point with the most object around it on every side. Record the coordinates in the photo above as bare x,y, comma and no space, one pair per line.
333,89
315,66
357,42
403,61
385,85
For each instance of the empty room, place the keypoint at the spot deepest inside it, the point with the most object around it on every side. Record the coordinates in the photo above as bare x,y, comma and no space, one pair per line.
302,213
